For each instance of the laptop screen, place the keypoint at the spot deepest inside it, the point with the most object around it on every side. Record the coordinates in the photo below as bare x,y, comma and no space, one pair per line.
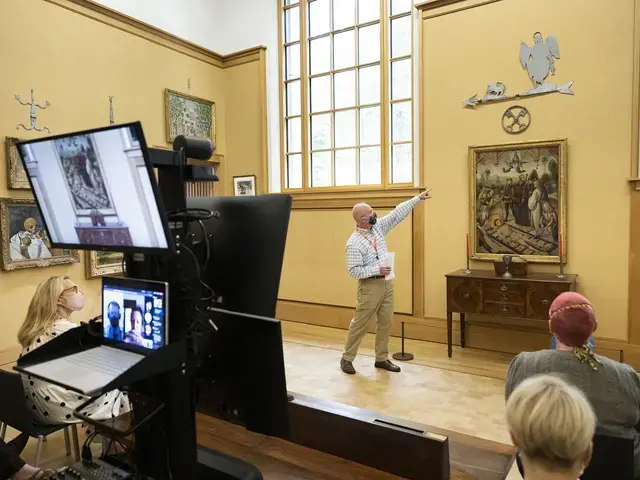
135,312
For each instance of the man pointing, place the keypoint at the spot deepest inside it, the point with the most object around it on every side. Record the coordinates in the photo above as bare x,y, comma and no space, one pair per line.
366,251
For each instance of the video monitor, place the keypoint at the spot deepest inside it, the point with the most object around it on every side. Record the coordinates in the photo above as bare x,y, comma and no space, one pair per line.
135,312
96,190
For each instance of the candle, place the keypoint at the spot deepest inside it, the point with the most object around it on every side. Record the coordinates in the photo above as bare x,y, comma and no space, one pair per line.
560,246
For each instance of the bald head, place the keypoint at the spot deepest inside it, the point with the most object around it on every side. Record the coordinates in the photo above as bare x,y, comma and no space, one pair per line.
361,213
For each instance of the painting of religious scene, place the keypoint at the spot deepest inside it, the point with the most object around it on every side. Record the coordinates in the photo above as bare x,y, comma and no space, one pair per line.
83,175
518,200
103,263
25,243
189,116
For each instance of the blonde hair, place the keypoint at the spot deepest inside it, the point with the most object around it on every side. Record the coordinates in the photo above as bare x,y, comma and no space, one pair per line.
552,422
43,309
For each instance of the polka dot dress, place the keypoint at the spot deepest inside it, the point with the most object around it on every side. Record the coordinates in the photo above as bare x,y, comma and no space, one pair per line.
52,404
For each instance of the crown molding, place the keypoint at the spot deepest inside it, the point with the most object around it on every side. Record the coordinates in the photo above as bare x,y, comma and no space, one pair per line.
153,34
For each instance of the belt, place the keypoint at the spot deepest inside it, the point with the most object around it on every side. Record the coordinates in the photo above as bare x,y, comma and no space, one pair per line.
377,276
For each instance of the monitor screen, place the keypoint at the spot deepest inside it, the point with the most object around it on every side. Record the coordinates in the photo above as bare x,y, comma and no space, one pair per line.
135,312
96,190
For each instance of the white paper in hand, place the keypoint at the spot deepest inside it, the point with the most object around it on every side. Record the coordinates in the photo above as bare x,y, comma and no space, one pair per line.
389,260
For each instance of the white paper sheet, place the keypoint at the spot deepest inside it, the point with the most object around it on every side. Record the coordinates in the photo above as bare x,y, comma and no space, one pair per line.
389,260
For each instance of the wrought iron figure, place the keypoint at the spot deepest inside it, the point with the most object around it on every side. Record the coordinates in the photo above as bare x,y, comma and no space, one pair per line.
32,113
111,118
538,58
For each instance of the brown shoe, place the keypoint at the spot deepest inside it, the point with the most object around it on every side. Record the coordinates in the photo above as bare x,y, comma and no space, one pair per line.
387,365
347,367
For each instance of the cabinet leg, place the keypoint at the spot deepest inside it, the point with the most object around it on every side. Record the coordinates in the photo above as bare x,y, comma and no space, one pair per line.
462,324
449,332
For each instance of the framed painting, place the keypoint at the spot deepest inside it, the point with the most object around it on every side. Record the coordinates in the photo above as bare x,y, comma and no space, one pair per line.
103,263
244,186
190,116
16,176
25,243
518,200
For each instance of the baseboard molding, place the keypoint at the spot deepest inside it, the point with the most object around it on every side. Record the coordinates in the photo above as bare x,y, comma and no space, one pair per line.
499,337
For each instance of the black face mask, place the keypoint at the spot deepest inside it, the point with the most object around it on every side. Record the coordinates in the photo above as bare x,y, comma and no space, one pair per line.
113,317
373,219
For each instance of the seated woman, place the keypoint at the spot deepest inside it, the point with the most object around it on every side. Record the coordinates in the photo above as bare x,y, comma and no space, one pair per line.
552,425
48,316
612,387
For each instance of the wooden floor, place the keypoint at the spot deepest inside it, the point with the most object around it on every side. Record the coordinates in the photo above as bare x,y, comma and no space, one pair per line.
463,394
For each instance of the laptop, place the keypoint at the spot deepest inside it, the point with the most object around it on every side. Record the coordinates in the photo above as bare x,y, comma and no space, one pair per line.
135,321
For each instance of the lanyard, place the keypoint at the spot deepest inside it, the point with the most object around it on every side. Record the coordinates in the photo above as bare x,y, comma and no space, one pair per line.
373,244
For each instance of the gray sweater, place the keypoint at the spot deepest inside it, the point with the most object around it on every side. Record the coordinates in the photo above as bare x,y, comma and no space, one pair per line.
614,390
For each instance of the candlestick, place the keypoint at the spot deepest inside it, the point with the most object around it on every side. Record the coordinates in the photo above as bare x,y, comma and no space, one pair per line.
467,271
561,252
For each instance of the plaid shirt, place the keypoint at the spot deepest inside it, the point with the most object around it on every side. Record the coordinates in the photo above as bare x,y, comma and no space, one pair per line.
362,261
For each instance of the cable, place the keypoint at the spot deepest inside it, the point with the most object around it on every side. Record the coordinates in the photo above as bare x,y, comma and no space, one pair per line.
206,242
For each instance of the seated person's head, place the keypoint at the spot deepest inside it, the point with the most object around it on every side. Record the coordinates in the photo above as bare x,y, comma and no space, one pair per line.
113,313
552,424
572,319
55,298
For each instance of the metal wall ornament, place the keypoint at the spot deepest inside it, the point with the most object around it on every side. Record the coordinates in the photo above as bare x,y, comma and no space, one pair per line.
538,60
516,119
33,114
111,116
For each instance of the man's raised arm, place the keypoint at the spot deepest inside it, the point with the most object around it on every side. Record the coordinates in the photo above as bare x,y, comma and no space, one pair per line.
401,212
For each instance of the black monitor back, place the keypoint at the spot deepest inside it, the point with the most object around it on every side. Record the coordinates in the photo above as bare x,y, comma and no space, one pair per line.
246,245
242,379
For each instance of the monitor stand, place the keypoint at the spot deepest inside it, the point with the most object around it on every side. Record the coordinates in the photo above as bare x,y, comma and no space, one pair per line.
218,466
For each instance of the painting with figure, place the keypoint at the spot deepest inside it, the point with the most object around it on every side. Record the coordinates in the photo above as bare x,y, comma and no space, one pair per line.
244,186
518,200
83,174
190,116
25,242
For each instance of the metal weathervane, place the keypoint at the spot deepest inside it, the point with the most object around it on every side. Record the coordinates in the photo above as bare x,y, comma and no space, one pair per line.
538,60
32,113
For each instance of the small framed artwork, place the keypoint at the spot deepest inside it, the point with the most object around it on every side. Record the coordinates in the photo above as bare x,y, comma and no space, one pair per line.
190,116
25,243
16,176
103,263
244,186
518,200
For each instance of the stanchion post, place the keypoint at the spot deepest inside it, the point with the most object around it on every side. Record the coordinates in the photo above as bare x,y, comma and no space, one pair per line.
403,356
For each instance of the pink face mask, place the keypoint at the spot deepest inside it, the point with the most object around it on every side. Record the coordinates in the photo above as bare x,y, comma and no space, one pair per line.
72,298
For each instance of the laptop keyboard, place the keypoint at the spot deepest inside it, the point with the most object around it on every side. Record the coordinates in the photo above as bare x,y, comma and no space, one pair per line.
103,360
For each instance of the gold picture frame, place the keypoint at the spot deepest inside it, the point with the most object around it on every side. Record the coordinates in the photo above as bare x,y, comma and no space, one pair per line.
16,176
203,111
24,240
98,264
518,200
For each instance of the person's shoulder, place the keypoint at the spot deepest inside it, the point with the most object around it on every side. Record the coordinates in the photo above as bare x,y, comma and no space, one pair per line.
352,240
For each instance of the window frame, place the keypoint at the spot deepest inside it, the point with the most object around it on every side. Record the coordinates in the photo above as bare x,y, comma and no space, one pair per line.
385,103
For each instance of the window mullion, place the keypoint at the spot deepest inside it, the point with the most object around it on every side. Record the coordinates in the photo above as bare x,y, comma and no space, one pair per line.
304,92
384,92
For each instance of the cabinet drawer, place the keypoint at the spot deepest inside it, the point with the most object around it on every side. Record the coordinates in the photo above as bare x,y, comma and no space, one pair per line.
506,295
540,296
464,295
504,309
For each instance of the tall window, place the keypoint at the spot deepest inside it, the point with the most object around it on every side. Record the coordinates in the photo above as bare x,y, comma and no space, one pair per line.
347,93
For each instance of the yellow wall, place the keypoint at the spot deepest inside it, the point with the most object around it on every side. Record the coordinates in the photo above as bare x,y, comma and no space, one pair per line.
75,63
315,271
462,53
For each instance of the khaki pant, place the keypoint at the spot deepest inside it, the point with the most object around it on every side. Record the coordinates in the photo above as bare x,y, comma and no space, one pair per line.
374,301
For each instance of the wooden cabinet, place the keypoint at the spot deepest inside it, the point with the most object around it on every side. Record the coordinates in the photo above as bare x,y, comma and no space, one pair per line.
481,292
111,235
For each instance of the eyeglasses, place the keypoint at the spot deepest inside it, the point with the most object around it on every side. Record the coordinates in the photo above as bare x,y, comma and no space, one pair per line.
72,290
